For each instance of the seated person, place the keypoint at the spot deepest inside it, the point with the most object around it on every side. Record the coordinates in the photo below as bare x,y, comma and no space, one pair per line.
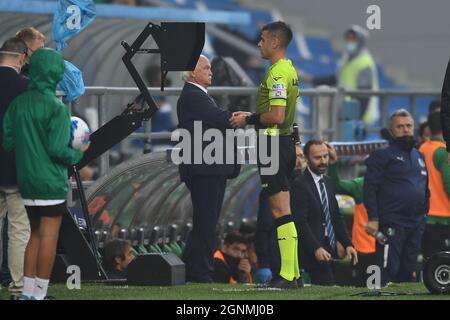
117,255
231,263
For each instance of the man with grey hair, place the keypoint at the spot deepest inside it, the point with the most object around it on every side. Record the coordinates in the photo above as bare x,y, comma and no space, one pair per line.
397,199
12,58
205,181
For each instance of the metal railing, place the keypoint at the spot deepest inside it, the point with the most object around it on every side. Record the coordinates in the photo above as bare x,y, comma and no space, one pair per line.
336,95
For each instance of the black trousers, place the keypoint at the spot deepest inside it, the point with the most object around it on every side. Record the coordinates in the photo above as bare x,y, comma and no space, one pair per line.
322,274
359,272
398,258
207,194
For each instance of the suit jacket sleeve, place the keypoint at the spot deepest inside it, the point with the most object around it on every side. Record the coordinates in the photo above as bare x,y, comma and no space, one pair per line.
209,113
301,207
445,107
338,220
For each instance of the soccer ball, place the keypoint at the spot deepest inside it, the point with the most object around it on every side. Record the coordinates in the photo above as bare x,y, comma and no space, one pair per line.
79,133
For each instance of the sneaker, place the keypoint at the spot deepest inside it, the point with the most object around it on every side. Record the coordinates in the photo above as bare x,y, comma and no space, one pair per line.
24,297
281,283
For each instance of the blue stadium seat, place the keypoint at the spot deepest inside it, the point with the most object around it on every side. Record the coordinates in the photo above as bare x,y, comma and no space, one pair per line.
258,18
322,51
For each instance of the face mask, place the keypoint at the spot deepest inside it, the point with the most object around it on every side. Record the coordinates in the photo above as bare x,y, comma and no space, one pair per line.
406,143
351,47
232,261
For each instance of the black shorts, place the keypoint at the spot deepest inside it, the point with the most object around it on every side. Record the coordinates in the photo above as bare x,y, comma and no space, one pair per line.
56,210
281,180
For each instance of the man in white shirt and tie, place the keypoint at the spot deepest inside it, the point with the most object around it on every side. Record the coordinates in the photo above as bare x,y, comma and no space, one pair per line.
323,236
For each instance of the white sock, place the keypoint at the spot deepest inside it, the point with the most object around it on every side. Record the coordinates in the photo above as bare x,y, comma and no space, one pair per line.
40,288
28,286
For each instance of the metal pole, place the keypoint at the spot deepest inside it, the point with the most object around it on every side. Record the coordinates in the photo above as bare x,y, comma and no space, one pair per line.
148,139
102,118
69,194
334,116
85,210
384,111
315,116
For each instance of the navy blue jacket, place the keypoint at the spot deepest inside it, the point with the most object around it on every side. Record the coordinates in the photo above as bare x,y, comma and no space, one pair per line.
11,85
196,105
396,186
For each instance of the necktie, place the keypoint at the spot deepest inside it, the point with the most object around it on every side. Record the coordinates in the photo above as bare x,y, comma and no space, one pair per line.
326,211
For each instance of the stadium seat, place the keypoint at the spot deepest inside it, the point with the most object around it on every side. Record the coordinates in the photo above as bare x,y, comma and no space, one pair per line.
174,237
184,235
142,241
164,241
124,234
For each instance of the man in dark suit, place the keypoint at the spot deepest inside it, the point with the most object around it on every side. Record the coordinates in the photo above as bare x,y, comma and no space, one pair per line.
12,58
323,237
197,112
445,110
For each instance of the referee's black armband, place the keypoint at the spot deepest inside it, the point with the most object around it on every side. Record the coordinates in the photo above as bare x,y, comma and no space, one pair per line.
254,119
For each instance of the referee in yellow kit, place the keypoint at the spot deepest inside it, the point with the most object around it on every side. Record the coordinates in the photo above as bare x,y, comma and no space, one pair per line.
275,113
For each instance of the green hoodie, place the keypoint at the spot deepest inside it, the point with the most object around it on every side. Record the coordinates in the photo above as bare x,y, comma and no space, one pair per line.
37,127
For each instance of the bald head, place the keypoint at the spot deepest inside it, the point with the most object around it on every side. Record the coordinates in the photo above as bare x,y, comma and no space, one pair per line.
202,73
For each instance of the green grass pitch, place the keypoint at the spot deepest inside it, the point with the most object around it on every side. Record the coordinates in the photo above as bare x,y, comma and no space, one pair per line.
94,291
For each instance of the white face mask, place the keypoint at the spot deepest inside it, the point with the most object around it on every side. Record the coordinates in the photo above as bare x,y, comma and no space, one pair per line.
351,47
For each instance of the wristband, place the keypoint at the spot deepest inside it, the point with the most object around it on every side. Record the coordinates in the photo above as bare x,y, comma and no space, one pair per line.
254,119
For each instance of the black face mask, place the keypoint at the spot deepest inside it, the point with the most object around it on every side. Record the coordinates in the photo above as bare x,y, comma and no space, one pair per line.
232,262
406,143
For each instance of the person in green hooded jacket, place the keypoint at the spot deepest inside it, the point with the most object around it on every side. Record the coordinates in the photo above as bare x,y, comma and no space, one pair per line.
37,128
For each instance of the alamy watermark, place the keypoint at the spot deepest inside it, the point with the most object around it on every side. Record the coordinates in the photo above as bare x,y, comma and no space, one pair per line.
373,22
212,146
74,20
374,280
74,280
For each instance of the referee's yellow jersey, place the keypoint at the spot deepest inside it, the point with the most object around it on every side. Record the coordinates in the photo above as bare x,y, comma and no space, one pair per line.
279,88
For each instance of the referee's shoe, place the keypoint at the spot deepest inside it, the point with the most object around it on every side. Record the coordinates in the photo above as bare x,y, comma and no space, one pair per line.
281,283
